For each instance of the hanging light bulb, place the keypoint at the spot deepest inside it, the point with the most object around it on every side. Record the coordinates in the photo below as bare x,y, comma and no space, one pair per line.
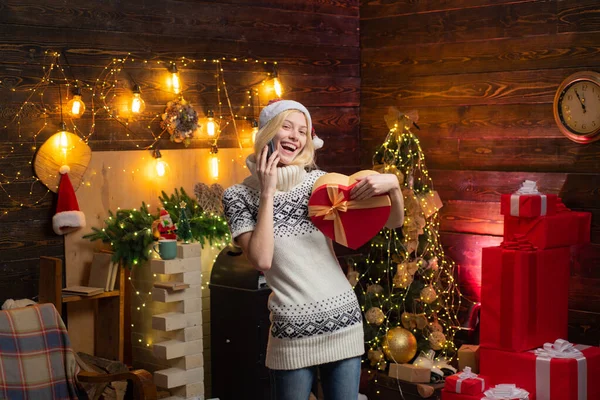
174,79
76,106
161,166
211,126
214,162
277,84
254,130
138,105
62,141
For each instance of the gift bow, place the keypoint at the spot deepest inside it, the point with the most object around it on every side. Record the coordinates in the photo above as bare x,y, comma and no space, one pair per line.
506,391
338,204
468,374
559,349
528,187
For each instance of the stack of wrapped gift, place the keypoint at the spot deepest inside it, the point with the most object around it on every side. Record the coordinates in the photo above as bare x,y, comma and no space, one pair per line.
524,301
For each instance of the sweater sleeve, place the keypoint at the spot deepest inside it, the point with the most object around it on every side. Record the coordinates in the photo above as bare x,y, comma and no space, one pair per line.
237,210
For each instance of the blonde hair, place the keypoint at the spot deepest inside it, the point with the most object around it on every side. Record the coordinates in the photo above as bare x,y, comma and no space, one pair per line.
306,158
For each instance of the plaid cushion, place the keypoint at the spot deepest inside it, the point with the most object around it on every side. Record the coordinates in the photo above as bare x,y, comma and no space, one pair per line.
36,359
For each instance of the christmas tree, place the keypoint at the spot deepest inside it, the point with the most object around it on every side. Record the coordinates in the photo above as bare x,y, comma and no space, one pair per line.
184,231
405,283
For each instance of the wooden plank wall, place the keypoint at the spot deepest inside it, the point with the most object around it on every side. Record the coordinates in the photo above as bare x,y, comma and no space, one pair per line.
315,44
482,75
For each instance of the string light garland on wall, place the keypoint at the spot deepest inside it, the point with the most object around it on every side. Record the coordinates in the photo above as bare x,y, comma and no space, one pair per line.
101,93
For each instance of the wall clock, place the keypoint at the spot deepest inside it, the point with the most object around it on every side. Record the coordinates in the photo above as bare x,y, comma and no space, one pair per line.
577,107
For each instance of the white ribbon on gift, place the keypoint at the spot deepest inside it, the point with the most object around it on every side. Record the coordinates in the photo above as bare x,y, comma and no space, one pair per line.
559,349
506,391
468,374
527,188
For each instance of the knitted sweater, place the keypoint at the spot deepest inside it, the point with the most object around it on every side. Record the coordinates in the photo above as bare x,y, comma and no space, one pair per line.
315,315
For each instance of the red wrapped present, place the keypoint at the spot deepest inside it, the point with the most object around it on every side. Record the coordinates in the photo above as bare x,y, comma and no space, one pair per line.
558,371
506,391
348,222
448,395
524,296
528,202
566,228
466,382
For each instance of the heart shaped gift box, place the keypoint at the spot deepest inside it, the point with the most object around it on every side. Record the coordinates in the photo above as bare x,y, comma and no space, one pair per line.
348,222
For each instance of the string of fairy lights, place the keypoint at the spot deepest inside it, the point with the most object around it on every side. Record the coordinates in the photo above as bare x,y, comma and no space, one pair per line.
111,101
440,299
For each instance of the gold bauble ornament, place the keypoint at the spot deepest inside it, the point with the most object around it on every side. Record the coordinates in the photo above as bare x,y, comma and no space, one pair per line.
428,295
436,340
399,345
375,316
375,356
382,365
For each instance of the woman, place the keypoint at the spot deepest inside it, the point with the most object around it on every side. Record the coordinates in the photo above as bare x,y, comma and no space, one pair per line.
316,319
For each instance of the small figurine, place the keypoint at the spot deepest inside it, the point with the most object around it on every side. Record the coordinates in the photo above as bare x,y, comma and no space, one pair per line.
164,226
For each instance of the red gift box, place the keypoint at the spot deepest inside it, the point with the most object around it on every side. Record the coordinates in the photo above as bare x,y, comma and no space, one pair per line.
466,382
524,296
528,205
448,395
547,378
348,222
563,229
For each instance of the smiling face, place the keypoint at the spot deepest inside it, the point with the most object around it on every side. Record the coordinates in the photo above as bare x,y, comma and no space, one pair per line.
291,137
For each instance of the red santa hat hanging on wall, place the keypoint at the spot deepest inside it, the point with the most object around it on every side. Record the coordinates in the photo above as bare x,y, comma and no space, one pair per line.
68,218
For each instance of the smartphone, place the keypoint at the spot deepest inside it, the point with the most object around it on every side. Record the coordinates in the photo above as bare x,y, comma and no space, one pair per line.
271,149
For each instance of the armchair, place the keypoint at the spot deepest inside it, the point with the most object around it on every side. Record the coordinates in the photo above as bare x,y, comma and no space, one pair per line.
37,361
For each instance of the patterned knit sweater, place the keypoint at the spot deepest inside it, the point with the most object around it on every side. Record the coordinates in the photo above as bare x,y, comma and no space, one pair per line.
315,316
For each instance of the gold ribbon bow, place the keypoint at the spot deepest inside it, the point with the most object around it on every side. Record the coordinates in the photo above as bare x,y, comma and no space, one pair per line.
338,204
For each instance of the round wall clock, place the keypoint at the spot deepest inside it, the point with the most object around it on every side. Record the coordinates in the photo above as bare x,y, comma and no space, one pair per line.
577,107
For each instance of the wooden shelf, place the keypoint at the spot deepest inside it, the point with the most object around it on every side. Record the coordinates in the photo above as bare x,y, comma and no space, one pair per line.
72,298
108,307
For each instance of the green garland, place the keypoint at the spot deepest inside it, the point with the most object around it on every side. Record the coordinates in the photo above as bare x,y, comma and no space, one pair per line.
129,232
205,226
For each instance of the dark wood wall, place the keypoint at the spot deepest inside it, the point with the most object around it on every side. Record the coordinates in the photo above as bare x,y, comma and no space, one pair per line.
483,74
315,43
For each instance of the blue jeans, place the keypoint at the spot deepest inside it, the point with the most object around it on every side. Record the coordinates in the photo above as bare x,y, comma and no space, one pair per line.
339,380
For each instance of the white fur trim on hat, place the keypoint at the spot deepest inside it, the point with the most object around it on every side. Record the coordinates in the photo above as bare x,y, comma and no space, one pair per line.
317,142
67,221
277,107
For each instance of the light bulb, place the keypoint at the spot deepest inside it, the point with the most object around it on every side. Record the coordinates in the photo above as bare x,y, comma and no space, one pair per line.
214,162
254,130
161,166
62,141
174,79
138,105
211,127
277,87
76,106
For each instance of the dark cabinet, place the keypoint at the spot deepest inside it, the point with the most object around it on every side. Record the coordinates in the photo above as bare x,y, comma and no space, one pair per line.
239,328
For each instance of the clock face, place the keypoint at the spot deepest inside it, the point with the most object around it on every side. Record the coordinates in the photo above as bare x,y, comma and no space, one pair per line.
579,107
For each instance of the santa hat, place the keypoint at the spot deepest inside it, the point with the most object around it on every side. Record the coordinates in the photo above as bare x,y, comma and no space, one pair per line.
276,107
68,218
